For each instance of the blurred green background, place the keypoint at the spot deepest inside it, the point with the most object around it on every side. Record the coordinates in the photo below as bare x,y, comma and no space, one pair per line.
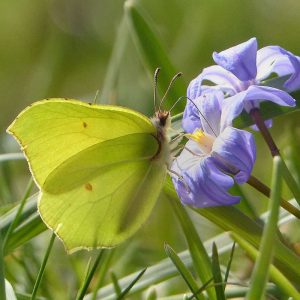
62,48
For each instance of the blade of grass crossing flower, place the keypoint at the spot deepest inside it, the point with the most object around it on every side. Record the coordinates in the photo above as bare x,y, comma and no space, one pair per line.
198,252
128,288
217,273
115,282
19,211
231,219
185,273
276,276
2,277
108,92
261,270
89,276
290,181
42,269
107,256
229,265
153,53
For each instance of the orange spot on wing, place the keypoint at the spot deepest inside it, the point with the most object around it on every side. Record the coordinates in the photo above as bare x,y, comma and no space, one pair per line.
88,187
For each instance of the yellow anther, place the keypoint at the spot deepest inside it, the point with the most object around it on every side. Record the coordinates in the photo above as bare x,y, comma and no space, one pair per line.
204,140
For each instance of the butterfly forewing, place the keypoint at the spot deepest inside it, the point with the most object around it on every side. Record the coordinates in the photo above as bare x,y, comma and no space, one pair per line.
52,131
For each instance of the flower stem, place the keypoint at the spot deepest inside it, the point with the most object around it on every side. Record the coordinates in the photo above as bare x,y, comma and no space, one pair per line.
265,190
288,178
260,123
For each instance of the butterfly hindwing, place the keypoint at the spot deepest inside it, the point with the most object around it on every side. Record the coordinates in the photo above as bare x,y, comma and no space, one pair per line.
108,207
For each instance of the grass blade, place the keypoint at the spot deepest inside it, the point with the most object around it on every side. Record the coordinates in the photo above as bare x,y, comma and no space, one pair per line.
42,269
203,288
290,181
115,282
15,221
11,156
201,260
260,274
231,219
102,272
108,92
276,276
25,232
153,54
2,277
185,273
218,280
128,288
89,276
229,265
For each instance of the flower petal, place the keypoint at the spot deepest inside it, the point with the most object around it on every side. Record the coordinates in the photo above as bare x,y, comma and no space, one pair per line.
268,123
203,184
293,83
239,60
256,94
237,149
191,119
251,98
224,80
272,59
232,107
204,113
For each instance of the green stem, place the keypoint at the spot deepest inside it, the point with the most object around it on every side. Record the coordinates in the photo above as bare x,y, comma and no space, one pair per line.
15,221
42,269
261,270
260,123
89,277
265,190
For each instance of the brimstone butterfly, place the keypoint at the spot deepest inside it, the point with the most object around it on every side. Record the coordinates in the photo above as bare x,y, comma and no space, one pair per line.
99,168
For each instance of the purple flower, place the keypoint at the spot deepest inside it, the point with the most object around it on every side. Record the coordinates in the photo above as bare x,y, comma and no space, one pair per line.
239,73
213,159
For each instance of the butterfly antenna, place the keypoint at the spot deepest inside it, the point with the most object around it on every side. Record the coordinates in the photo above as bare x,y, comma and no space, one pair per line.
185,97
170,85
155,86
179,99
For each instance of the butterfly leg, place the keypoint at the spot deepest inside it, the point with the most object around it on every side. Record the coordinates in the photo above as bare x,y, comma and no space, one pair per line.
180,135
180,178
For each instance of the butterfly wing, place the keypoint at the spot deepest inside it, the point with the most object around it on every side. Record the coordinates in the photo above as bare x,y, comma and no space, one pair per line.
98,180
112,196
51,131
